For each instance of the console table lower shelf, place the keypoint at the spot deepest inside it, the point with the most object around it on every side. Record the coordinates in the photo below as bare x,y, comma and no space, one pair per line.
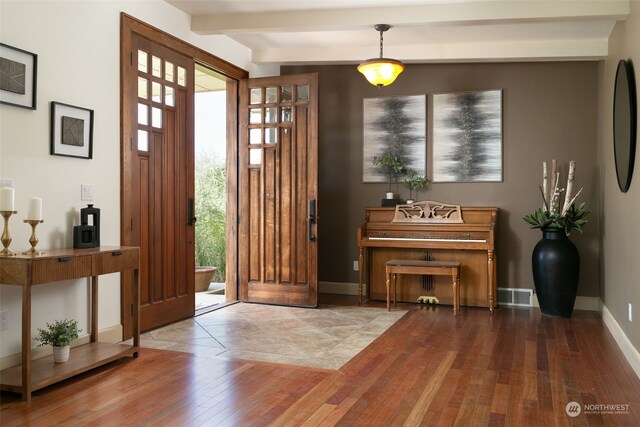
52,266
45,372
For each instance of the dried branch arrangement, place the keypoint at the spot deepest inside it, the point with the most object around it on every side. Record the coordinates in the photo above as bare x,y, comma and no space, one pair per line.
551,215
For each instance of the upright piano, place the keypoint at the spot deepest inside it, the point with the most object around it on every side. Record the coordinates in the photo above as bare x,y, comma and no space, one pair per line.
472,243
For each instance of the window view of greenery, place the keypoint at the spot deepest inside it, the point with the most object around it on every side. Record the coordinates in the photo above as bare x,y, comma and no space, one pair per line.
210,181
211,212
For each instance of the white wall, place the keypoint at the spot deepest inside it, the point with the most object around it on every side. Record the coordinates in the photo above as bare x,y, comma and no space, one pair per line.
620,223
78,44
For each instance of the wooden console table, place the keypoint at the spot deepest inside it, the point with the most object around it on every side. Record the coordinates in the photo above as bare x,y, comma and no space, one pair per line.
67,264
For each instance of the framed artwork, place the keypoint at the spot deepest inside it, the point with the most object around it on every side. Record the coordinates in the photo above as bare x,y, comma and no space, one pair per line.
396,126
467,137
71,131
18,75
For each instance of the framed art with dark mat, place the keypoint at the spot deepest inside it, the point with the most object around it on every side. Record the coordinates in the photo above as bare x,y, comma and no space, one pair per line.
71,131
18,76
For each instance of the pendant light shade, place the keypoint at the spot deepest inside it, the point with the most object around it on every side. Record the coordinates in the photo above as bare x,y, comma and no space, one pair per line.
381,71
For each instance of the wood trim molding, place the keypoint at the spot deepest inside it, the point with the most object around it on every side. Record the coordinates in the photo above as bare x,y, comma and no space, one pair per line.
231,290
199,55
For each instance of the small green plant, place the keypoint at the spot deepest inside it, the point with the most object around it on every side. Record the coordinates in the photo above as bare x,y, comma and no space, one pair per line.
391,164
59,334
414,181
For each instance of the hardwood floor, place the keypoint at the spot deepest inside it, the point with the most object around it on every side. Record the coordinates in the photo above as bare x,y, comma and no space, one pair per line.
513,368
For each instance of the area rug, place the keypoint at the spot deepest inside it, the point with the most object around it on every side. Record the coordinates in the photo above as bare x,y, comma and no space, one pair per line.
326,337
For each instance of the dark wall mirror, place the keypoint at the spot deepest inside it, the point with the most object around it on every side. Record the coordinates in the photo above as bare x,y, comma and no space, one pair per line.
624,123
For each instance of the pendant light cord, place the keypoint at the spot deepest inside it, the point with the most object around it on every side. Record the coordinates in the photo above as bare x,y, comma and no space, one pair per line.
381,32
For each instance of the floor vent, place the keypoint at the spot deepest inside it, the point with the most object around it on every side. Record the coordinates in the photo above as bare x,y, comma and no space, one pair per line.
515,296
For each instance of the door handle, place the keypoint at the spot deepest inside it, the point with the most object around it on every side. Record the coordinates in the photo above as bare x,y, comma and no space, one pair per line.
312,219
191,212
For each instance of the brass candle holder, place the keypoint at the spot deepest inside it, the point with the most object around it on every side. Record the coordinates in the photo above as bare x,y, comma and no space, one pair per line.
33,239
6,237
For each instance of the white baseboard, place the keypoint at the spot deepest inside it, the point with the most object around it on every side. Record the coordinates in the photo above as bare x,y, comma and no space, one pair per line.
632,355
347,288
582,303
588,303
340,288
112,334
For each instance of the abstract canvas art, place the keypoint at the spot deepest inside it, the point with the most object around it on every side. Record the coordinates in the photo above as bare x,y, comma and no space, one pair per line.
467,137
394,125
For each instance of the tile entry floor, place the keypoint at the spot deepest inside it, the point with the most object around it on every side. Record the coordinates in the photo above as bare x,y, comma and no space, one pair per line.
326,337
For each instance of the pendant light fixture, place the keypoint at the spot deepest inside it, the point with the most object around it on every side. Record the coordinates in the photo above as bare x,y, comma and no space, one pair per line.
381,71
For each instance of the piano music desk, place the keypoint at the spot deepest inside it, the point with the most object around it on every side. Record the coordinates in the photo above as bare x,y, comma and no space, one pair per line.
436,268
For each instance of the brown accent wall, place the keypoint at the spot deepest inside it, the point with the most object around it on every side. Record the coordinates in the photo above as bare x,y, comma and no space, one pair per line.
619,260
550,110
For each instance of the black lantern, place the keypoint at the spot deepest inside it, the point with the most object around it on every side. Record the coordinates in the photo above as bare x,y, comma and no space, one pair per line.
85,235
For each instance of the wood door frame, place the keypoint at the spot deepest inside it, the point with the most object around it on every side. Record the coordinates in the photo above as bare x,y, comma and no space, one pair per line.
129,26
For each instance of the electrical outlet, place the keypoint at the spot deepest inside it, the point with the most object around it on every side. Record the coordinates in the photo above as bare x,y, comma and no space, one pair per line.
630,313
4,320
356,267
6,182
86,191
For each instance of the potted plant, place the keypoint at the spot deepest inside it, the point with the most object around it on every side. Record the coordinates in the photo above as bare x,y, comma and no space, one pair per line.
392,166
414,181
204,277
60,335
555,259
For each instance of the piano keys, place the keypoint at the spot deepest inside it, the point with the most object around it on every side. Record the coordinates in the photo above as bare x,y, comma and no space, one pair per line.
430,239
472,243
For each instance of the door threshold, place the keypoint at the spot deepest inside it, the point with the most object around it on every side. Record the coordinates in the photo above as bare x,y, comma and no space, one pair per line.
209,309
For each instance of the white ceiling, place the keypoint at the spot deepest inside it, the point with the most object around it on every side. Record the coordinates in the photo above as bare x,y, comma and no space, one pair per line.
341,31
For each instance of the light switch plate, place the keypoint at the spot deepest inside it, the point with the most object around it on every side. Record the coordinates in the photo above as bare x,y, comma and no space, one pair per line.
4,320
86,191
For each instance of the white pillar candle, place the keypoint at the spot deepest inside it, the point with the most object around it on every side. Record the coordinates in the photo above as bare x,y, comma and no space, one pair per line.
34,209
7,199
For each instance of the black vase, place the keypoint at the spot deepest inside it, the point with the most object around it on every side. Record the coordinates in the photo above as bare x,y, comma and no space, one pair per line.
556,268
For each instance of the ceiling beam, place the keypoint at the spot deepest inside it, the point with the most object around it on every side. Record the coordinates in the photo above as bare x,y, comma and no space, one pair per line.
465,13
591,49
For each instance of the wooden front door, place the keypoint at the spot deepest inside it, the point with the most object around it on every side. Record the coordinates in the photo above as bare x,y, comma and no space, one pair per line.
278,166
162,188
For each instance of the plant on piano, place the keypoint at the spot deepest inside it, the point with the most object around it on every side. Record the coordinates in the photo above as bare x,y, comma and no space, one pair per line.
391,164
414,181
550,215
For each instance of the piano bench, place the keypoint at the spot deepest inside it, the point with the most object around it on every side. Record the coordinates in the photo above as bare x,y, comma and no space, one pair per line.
436,268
